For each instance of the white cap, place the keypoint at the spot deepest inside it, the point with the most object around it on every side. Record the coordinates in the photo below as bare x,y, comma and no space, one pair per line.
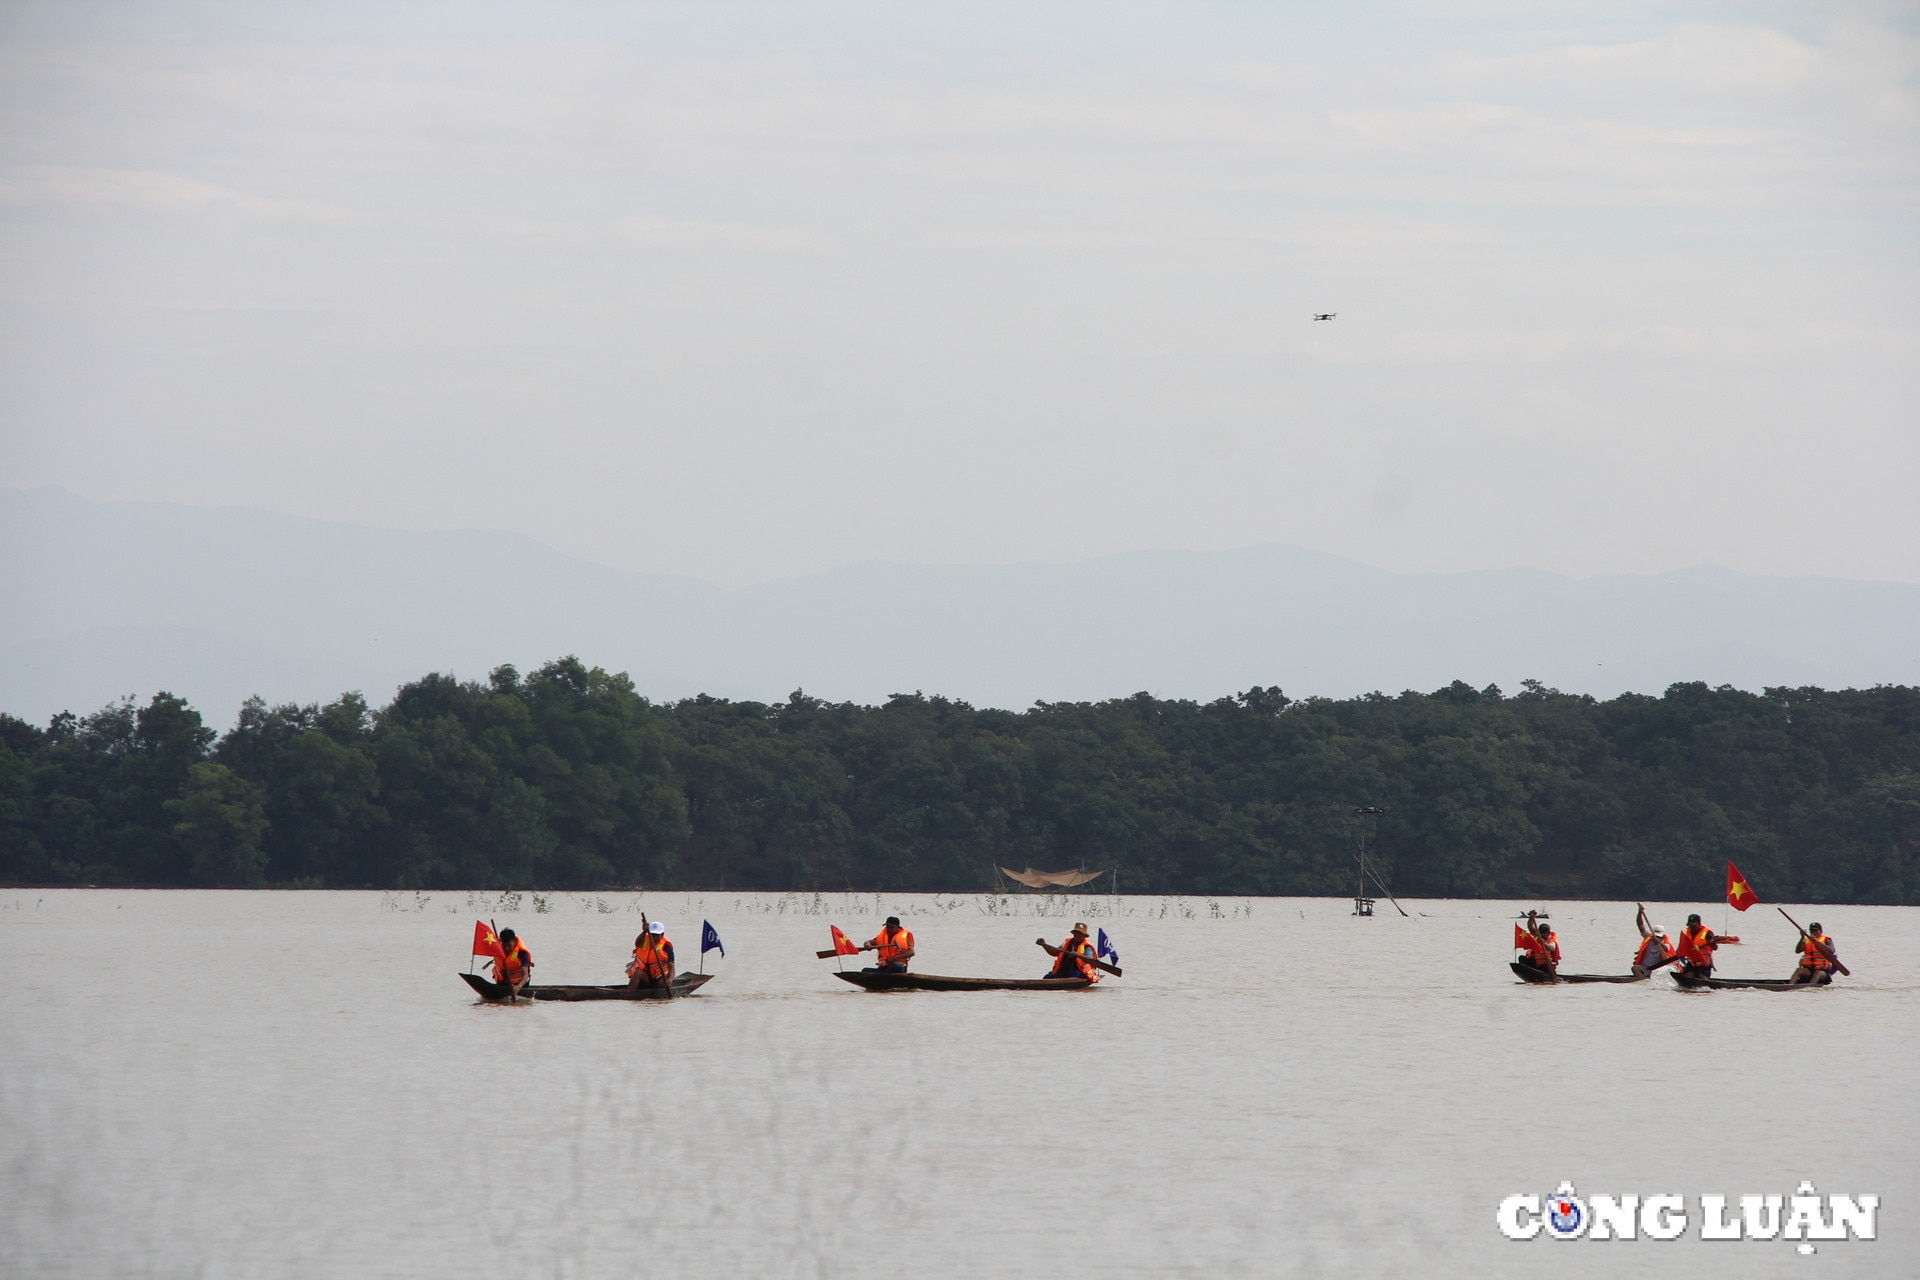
656,927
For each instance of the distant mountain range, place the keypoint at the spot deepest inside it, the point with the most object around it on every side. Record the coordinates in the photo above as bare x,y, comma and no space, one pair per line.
109,598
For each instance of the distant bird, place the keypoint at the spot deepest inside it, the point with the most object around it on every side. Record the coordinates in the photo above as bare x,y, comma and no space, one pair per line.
1328,316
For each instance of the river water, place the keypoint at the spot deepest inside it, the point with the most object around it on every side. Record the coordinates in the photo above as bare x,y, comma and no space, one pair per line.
297,1084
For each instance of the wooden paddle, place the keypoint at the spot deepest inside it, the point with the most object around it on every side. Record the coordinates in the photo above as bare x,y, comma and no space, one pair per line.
828,955
1823,948
1102,965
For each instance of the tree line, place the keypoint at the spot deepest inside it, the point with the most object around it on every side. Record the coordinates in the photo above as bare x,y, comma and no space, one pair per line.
568,778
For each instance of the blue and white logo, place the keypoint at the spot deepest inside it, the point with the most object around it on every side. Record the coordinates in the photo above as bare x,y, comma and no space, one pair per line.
1566,1214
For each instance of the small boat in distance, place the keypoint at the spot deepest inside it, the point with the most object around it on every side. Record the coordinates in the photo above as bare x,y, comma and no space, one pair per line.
873,981
1691,983
1534,973
684,984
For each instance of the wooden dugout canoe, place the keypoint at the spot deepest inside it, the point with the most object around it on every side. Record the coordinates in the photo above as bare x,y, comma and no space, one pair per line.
1534,973
935,982
684,984
1691,983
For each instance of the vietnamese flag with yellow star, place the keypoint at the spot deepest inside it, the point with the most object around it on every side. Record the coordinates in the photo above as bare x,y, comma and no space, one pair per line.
486,942
1739,892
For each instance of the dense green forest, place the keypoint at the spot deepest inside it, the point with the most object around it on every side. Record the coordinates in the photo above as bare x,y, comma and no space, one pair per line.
567,778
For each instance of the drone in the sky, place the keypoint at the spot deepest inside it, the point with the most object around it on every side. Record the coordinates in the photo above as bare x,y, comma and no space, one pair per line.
1327,316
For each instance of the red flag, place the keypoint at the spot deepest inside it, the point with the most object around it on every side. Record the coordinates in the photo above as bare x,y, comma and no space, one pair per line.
842,944
485,943
1739,893
1522,940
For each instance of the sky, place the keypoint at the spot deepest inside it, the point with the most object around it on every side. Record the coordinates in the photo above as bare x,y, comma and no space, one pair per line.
744,290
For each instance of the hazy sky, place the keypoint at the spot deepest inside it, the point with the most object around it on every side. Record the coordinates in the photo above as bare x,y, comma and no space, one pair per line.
741,290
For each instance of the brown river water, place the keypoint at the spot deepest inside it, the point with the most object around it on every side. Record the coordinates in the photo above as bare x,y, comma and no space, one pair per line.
297,1085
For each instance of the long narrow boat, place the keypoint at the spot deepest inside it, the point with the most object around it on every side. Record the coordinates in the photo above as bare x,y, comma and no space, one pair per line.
684,984
1691,983
1534,973
934,982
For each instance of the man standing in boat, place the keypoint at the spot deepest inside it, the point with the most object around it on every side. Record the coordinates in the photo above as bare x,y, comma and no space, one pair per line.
652,959
1070,957
515,965
1695,952
894,944
1817,957
1656,948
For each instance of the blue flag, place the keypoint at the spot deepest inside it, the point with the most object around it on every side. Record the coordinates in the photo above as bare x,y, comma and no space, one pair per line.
709,940
1105,949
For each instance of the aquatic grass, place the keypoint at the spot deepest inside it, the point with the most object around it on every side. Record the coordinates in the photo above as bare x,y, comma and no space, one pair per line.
993,903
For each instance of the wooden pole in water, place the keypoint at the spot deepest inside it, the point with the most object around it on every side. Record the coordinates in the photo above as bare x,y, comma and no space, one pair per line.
1363,905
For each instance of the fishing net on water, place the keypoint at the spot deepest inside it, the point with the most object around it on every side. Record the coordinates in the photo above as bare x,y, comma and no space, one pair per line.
1050,879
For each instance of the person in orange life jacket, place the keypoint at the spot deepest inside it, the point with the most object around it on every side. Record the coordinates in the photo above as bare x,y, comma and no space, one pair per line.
894,944
1070,957
1542,944
1695,952
515,966
1527,943
1816,966
652,964
1656,948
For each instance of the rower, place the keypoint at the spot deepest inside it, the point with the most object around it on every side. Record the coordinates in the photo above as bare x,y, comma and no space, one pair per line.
1656,948
1542,944
1816,958
1071,956
1695,952
894,944
652,964
515,965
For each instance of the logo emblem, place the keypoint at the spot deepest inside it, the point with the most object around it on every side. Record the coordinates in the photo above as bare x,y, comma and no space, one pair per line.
1566,1213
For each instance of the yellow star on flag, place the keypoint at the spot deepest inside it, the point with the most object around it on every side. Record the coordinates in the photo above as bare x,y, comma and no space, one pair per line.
1739,887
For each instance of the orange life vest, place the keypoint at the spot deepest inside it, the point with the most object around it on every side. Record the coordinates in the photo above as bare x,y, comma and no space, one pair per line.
1071,962
1811,955
651,957
1540,951
894,945
1696,946
1649,945
512,967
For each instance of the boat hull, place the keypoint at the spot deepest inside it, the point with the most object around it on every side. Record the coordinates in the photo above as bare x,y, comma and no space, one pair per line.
684,984
1535,974
1690,983
935,982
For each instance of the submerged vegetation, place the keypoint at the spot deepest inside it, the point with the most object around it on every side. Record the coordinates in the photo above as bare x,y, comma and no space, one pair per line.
568,779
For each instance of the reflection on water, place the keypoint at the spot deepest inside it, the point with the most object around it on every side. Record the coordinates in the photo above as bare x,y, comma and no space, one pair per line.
296,1084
